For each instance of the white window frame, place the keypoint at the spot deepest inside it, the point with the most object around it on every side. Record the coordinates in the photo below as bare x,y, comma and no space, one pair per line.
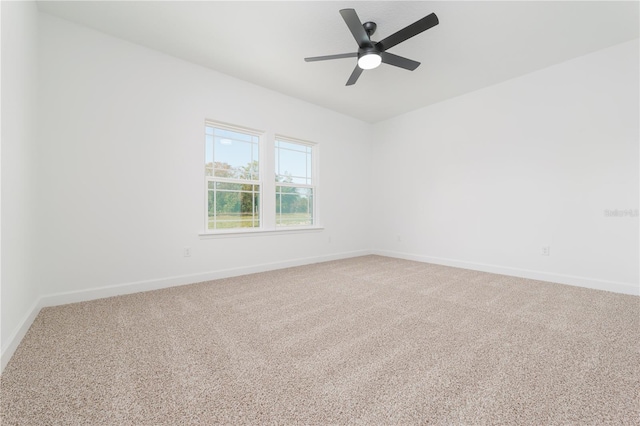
313,185
260,182
267,182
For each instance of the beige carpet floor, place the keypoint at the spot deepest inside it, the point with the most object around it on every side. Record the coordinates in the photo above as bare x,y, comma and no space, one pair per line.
369,340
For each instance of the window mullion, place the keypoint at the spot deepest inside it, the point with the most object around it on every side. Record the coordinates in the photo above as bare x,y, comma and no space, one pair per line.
268,170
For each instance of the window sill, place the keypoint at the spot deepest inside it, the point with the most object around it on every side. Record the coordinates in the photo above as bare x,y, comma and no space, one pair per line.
253,233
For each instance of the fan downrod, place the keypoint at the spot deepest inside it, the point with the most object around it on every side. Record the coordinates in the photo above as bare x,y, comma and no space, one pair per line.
370,28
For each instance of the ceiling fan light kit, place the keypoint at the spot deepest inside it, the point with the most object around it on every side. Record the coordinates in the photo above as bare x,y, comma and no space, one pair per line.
369,60
370,53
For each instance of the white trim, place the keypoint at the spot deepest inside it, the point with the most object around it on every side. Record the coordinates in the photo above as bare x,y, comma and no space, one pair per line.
315,173
148,285
235,232
291,139
139,286
18,334
233,180
613,286
233,127
295,185
157,284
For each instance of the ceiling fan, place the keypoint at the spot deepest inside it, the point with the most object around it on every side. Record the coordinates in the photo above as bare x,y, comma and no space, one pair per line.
371,53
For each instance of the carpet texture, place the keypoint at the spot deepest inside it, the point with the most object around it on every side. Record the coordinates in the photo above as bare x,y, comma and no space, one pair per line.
368,340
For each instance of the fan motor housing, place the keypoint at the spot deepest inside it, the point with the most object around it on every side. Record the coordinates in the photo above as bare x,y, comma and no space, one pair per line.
368,50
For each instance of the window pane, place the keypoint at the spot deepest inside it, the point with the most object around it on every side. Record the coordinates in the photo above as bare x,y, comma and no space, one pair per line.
293,163
232,154
294,206
233,205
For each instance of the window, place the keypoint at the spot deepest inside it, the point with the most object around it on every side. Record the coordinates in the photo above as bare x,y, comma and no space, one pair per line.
240,198
232,170
294,183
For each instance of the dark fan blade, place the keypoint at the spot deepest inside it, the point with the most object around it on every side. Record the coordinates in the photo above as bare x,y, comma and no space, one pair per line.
399,61
353,22
409,31
354,76
325,58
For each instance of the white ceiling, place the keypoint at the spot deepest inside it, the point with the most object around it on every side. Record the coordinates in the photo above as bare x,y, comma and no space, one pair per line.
477,43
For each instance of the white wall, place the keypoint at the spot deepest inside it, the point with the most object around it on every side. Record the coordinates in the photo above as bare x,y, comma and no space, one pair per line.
484,180
19,58
121,160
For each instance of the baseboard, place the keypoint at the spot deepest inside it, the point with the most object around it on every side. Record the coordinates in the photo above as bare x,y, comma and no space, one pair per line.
613,286
157,284
18,334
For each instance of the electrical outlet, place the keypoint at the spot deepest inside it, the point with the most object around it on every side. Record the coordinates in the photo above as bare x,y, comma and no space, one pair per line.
545,250
186,252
